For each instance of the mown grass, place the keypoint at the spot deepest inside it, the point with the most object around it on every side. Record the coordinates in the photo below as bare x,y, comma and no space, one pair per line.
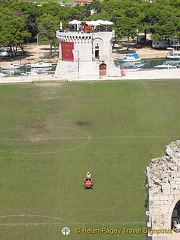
51,134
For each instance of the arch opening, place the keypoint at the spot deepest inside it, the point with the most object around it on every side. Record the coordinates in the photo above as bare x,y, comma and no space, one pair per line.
102,69
175,218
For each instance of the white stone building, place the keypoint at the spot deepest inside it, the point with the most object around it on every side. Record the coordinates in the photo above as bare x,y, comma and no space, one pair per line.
86,54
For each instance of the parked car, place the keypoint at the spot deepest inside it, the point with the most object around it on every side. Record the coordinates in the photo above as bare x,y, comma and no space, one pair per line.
6,52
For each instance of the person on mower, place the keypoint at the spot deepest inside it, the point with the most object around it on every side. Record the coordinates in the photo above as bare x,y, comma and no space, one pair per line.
88,175
88,182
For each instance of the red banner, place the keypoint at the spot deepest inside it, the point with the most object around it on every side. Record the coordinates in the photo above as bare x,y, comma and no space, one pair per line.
67,51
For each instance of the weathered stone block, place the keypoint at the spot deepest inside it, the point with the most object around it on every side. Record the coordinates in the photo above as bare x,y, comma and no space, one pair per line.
156,197
173,186
176,179
166,186
163,198
165,189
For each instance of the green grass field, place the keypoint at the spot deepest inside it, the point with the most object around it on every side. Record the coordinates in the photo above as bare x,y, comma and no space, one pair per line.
51,134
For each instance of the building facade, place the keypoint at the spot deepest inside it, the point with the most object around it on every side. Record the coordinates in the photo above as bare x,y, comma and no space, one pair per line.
85,54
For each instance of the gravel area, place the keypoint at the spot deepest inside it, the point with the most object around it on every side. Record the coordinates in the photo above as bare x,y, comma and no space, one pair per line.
33,53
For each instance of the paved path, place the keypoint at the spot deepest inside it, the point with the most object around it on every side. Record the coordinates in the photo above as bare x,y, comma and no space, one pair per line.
144,74
29,79
154,74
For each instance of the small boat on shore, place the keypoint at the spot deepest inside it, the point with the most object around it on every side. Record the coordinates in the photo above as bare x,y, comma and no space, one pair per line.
174,52
31,73
41,65
136,67
12,66
3,75
166,65
35,71
133,57
131,66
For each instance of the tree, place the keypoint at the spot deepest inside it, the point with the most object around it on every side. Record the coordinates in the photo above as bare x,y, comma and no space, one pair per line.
78,12
126,27
47,26
167,25
96,6
26,10
162,20
13,31
162,31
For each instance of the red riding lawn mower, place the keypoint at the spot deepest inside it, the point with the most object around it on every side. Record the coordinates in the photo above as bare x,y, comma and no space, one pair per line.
88,183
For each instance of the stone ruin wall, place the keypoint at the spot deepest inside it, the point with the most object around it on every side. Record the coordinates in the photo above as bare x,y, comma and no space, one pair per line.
163,188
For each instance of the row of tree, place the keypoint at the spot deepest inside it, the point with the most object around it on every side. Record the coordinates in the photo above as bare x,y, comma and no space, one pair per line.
21,21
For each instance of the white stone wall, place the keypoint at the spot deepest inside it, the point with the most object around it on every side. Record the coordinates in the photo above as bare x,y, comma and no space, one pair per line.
163,187
86,65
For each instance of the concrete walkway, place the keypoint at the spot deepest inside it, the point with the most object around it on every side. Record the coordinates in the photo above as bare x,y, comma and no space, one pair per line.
144,74
154,74
29,79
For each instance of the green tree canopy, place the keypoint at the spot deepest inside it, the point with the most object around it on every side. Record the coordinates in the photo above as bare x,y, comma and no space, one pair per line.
47,26
13,31
160,18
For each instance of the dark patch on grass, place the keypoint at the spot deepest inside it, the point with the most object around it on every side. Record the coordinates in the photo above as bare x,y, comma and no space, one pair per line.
84,123
36,129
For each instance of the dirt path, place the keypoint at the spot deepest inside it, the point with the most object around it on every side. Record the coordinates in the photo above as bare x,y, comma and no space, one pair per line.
33,53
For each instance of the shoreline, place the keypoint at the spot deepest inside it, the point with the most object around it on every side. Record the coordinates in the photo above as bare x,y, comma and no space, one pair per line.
154,75
36,53
33,54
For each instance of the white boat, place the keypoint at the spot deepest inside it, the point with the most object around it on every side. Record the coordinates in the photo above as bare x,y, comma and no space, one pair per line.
3,75
12,66
35,71
133,57
174,52
175,63
42,70
29,73
166,65
41,65
136,67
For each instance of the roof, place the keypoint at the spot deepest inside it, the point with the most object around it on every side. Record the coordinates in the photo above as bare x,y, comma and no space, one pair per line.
135,55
